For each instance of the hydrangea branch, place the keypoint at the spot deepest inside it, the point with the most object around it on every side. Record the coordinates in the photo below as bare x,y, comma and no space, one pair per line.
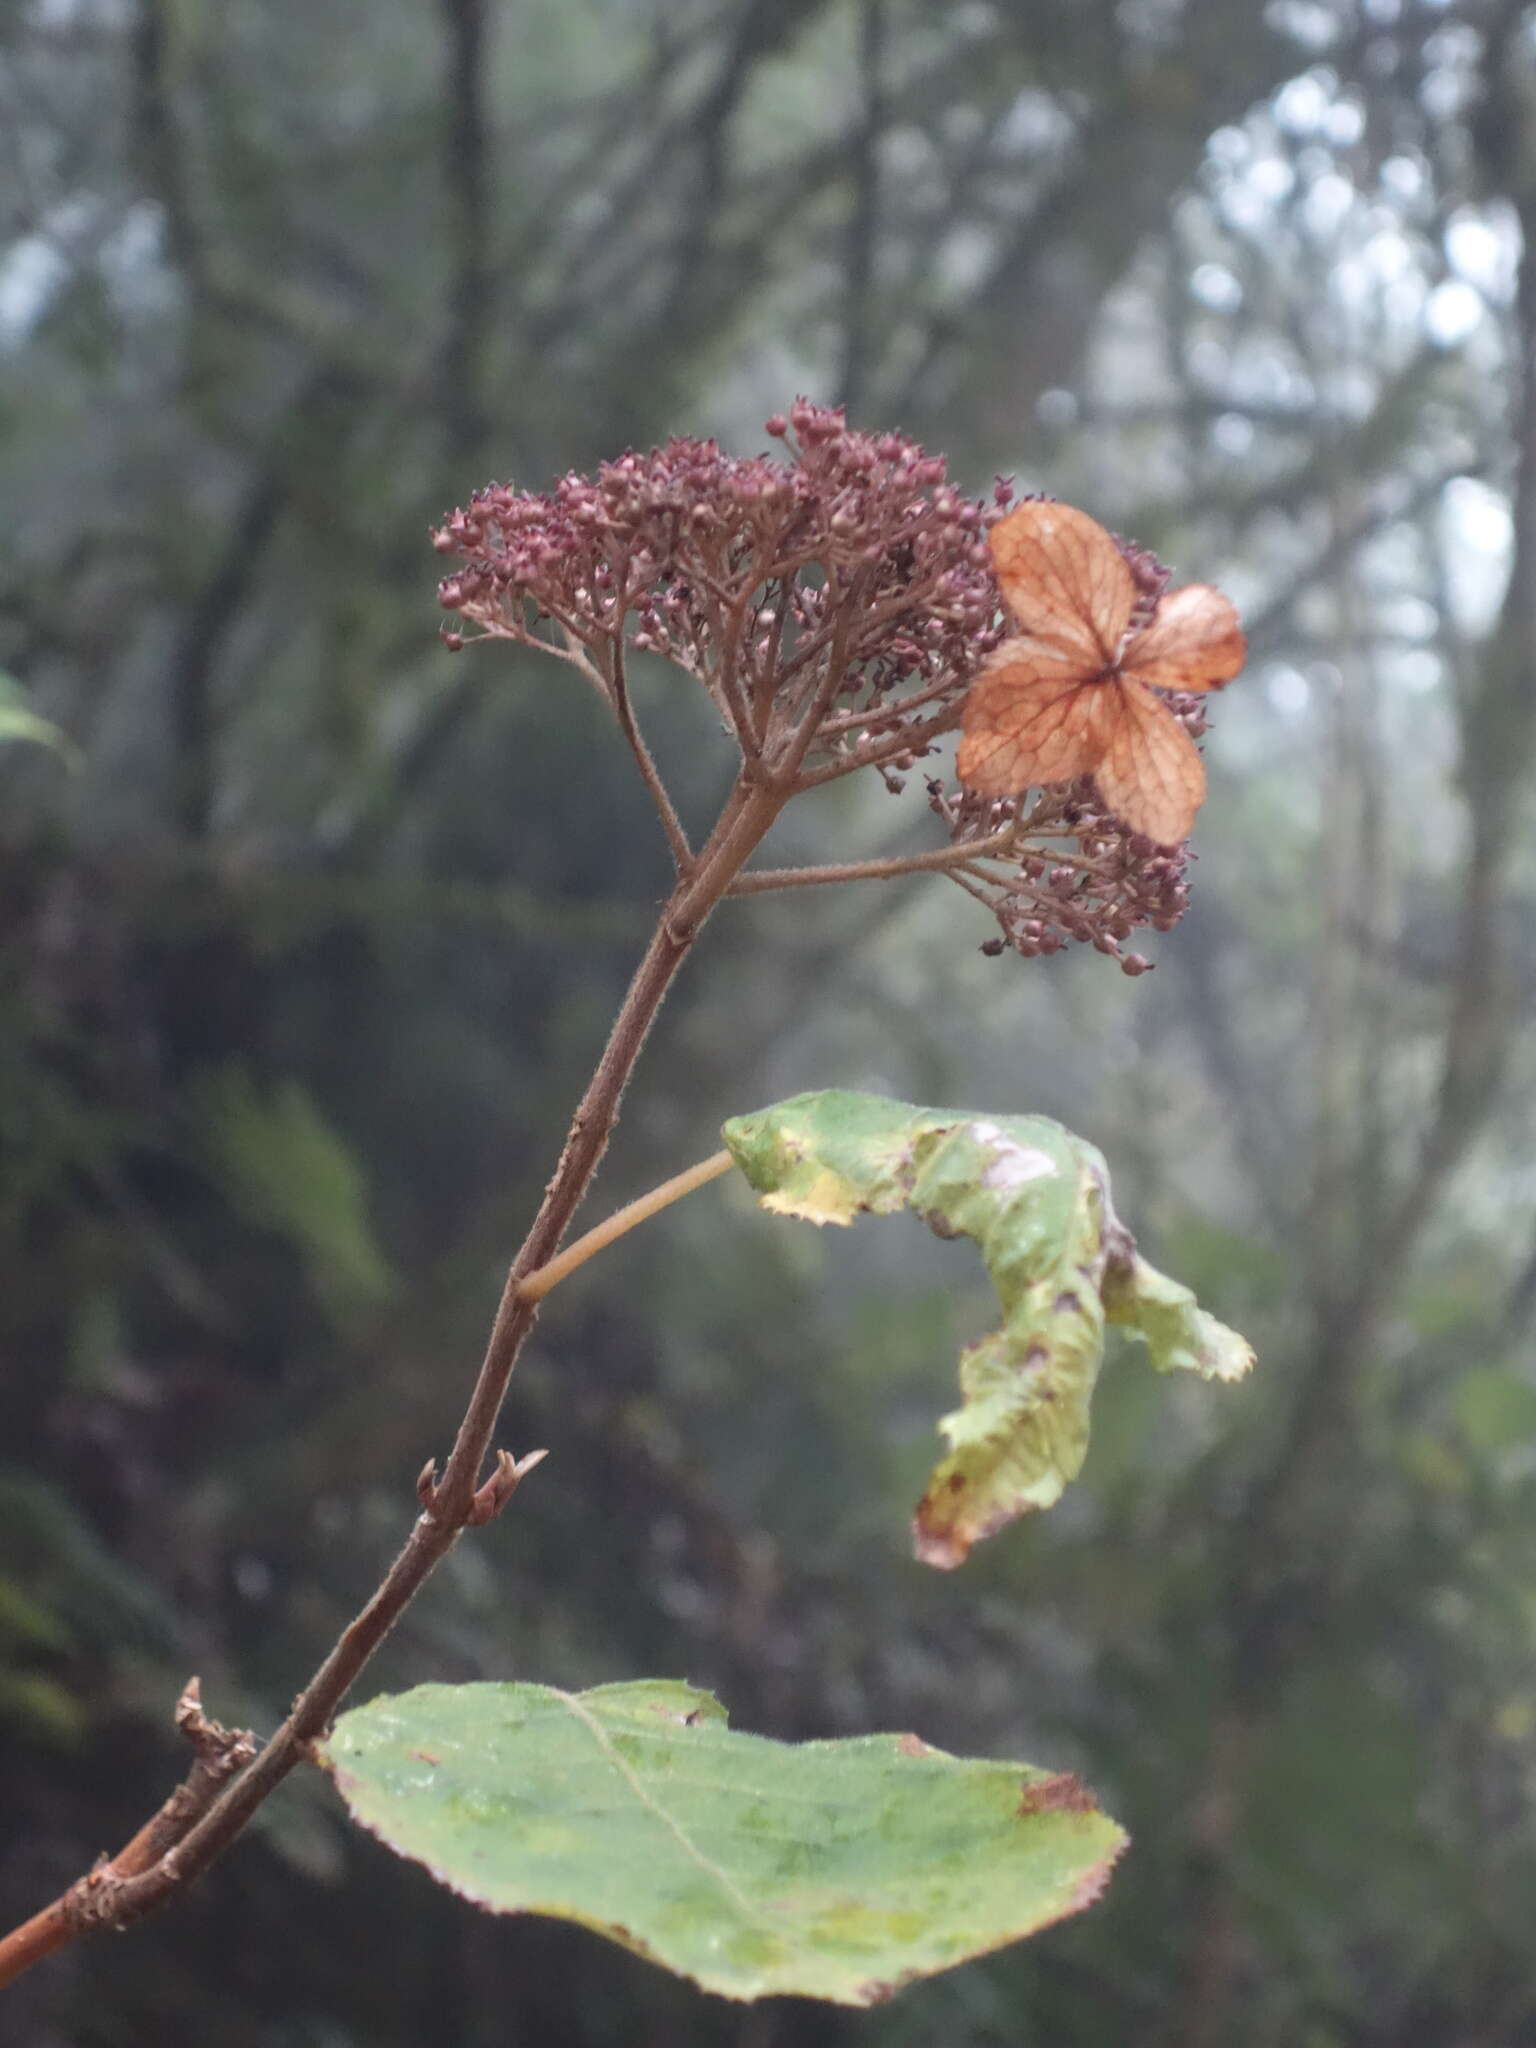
834,608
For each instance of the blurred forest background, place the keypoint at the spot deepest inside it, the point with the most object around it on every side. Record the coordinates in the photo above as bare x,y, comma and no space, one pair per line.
308,953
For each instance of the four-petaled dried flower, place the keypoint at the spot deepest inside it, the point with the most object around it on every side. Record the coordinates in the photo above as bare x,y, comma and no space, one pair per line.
1072,693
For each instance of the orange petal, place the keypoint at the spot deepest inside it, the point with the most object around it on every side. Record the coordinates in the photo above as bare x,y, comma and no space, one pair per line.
1194,642
1066,583
1151,775
1028,721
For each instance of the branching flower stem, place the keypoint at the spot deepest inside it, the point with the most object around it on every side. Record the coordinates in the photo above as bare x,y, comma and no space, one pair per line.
757,881
874,715
805,718
886,747
771,657
624,711
114,1896
731,680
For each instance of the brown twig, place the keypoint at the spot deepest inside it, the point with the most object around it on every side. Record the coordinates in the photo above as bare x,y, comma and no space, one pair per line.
217,1813
221,1753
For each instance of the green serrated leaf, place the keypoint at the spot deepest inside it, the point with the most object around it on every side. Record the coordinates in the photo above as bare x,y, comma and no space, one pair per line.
835,1870
1036,1200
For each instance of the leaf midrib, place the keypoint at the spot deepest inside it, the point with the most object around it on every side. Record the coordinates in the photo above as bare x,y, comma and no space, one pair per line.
684,1840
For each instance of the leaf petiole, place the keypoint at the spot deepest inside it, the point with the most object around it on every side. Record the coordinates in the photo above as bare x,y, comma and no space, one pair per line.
535,1285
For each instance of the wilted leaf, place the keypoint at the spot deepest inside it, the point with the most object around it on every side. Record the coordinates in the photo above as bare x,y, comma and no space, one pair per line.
835,1870
1178,1332
1036,1200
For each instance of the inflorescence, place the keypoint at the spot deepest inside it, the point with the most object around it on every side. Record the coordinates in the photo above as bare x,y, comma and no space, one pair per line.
835,606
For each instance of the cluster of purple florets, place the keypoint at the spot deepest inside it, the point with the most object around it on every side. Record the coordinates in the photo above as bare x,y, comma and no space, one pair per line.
1112,883
851,576
749,573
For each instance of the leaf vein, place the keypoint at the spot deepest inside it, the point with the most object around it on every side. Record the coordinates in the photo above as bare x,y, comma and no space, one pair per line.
653,1806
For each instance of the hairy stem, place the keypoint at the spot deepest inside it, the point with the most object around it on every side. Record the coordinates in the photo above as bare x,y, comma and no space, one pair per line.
758,880
888,747
650,774
874,715
731,680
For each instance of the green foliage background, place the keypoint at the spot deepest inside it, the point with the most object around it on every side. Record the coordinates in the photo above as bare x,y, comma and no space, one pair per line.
306,959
